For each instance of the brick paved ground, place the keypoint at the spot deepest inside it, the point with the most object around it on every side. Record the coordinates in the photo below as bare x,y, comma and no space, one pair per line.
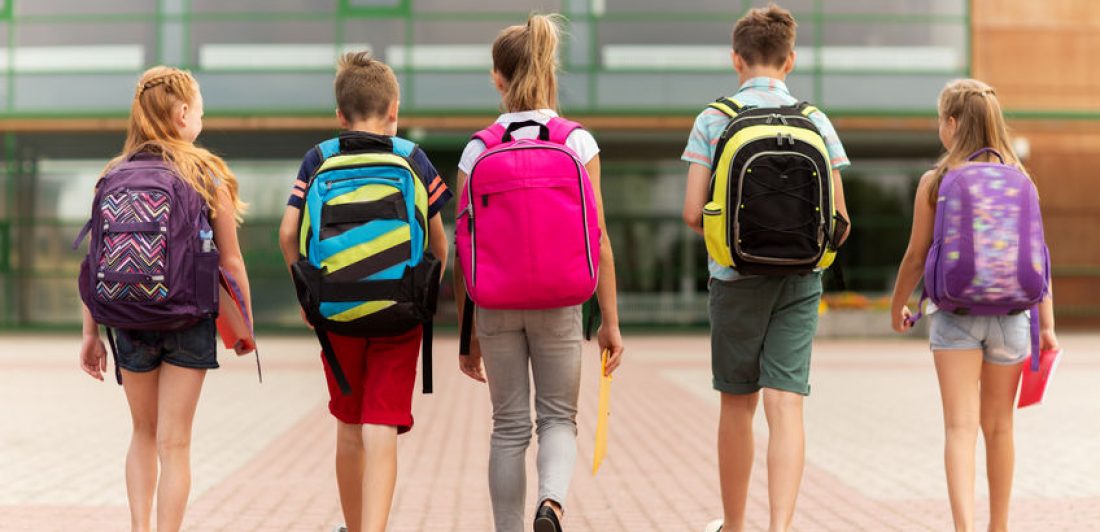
263,453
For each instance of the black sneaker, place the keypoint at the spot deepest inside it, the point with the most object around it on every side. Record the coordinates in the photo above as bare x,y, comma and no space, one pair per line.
546,520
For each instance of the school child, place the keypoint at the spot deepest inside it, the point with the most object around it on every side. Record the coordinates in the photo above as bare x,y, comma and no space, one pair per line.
767,197
164,220
365,245
532,246
980,329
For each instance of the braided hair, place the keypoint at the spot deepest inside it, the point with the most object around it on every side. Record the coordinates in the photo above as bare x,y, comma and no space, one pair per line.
158,96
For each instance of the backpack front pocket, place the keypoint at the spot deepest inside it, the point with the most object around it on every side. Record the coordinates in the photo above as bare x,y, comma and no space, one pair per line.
132,263
365,231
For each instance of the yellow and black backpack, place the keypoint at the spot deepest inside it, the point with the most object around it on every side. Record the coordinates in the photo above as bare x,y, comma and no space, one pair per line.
770,208
364,268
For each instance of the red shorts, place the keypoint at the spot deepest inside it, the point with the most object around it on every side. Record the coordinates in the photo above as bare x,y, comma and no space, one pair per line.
382,375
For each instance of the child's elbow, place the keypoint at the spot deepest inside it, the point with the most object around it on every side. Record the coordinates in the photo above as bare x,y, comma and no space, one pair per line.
693,219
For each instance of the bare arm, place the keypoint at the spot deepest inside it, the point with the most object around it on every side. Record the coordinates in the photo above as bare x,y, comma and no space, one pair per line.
437,240
695,197
912,265
93,355
288,235
229,248
609,337
470,364
1047,339
841,204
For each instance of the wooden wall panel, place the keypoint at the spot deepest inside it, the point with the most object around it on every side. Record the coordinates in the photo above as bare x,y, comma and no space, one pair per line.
1039,55
1045,56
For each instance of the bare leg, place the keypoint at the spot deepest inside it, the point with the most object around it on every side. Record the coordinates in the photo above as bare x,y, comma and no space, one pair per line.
786,454
381,475
141,459
998,404
350,461
179,395
959,371
735,454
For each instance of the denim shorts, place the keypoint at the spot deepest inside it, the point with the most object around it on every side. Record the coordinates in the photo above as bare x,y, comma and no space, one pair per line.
142,351
1002,339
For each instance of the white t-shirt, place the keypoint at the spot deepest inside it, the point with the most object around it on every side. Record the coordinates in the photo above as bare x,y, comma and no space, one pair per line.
580,140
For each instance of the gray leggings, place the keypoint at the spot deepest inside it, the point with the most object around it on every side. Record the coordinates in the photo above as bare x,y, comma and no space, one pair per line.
548,342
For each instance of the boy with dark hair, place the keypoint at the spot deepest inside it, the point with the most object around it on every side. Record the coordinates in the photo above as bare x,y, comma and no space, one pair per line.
380,371
762,326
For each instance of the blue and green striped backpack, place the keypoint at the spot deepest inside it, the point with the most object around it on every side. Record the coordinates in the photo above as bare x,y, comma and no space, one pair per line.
364,268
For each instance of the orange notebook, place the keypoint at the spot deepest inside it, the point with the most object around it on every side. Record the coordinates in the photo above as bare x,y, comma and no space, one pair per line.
234,322
1034,384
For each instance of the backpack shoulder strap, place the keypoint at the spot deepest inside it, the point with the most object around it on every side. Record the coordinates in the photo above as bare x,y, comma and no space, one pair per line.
403,147
560,129
806,109
491,136
730,106
329,148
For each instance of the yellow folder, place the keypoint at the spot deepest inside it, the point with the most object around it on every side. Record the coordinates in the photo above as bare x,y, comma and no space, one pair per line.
601,416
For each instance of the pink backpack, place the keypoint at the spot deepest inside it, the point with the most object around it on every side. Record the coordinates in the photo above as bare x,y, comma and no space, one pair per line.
527,234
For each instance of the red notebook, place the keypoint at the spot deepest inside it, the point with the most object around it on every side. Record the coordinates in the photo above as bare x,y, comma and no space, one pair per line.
1034,384
234,321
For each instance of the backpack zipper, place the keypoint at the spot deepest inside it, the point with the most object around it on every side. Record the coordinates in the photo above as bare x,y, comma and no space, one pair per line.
770,117
470,202
331,182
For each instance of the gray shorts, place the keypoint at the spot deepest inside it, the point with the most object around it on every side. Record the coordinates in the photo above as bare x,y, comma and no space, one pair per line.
1002,339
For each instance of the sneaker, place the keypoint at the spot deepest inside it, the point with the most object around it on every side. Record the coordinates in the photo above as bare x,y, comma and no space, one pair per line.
546,520
714,526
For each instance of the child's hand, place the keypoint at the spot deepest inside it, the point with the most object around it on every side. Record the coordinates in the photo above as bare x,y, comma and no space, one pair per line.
903,320
93,357
471,364
1047,340
305,318
610,340
245,346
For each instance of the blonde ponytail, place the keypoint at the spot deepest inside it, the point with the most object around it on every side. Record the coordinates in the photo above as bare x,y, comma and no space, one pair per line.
159,92
527,58
979,123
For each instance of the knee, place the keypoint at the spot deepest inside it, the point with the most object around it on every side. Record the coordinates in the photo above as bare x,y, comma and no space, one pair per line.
783,403
550,422
348,434
996,428
145,429
172,443
512,431
961,425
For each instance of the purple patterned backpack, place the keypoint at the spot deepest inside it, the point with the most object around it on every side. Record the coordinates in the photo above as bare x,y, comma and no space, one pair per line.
151,262
988,254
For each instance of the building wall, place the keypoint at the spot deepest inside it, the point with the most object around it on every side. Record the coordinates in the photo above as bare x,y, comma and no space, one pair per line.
1041,58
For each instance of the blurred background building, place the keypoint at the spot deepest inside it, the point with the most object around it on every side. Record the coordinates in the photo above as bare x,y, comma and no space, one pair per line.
635,72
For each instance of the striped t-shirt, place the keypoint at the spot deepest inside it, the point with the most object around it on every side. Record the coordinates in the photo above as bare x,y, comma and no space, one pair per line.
756,92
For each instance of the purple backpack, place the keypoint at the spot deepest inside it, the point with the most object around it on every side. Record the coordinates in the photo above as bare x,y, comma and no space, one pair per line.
988,254
151,262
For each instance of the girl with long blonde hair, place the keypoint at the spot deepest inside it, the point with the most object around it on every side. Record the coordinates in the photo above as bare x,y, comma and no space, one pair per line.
162,371
978,358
